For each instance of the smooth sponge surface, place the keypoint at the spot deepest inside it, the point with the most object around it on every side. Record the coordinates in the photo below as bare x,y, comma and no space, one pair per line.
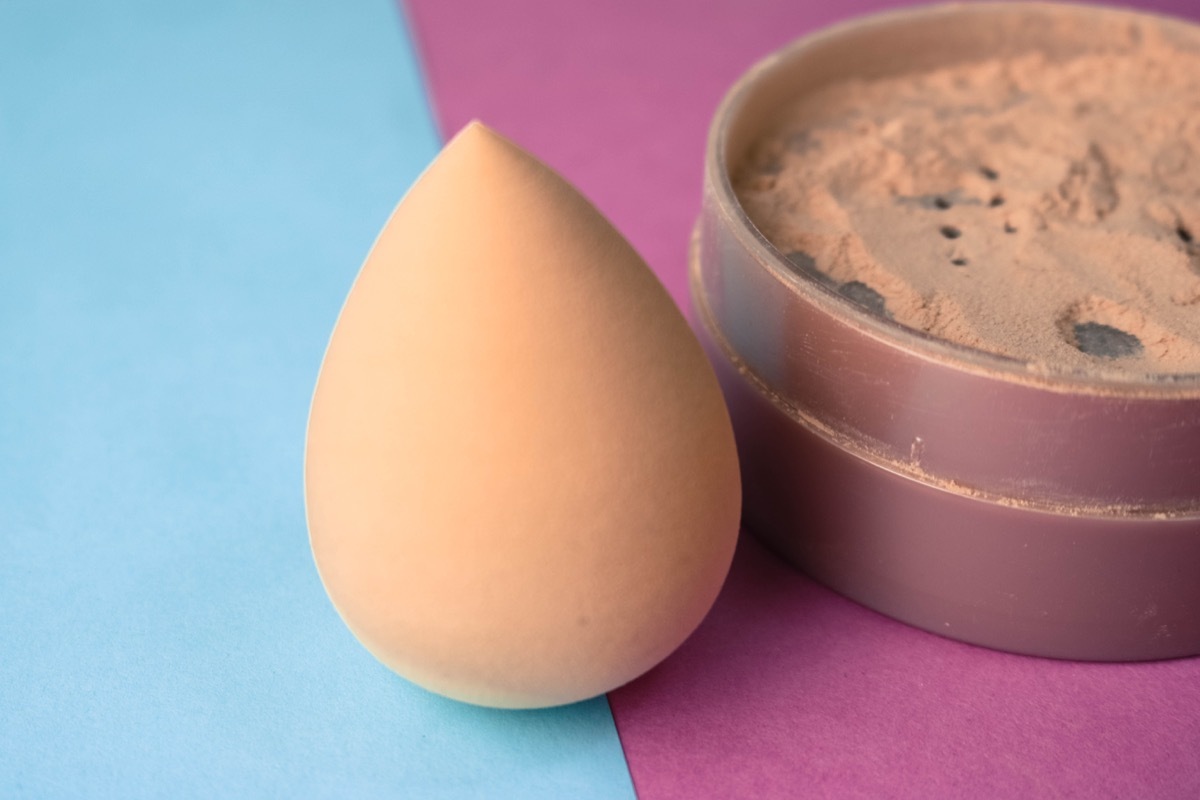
521,480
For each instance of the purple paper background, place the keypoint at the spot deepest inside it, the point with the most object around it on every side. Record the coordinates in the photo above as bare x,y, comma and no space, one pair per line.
787,689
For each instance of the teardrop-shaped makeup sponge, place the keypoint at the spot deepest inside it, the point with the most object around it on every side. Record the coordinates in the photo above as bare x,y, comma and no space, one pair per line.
520,476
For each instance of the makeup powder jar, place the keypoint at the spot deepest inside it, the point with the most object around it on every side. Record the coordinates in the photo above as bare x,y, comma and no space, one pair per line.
947,272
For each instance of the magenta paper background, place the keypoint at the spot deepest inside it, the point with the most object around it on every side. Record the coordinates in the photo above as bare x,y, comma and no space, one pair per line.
787,689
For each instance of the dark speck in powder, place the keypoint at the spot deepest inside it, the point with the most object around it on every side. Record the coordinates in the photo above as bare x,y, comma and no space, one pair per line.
806,265
936,202
865,296
1105,341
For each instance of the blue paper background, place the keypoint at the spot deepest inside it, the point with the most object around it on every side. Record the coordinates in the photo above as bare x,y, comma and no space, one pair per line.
186,192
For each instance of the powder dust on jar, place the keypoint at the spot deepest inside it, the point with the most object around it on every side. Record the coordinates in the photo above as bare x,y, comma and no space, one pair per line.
1046,210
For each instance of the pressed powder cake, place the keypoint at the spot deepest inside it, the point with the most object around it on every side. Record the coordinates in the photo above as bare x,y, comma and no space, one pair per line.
1046,210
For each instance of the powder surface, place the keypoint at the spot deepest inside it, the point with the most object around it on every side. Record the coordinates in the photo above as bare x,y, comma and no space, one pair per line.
1047,210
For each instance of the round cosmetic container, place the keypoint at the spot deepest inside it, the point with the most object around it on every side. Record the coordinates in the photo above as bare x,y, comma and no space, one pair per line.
960,491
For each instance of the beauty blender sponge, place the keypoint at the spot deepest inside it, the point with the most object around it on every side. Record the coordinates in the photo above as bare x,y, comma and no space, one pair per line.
520,476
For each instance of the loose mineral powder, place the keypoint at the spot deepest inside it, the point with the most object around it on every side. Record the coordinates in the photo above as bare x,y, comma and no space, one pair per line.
1043,209
958,324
